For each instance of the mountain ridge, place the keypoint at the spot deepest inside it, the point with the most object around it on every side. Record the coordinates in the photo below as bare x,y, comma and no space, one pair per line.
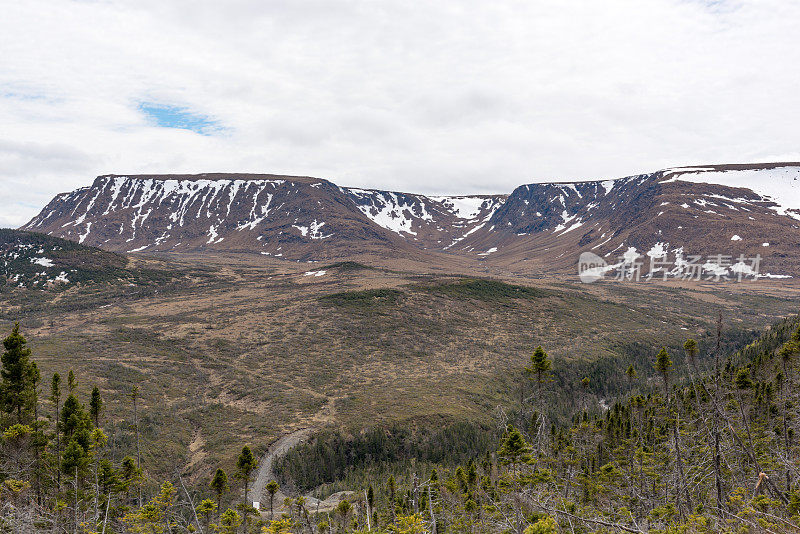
536,228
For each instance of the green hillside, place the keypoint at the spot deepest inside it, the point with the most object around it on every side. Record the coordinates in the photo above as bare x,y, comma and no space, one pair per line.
30,260
703,441
710,447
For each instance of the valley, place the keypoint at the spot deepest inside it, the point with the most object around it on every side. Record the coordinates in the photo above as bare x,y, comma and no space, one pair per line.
381,267
242,349
279,312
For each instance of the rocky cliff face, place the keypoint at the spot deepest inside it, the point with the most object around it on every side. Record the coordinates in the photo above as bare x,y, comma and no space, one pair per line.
274,215
712,210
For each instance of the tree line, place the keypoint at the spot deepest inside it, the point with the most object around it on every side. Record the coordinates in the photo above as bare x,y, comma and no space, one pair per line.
56,474
710,446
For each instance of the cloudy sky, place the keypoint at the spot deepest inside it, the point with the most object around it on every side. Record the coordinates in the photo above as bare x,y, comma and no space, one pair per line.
431,97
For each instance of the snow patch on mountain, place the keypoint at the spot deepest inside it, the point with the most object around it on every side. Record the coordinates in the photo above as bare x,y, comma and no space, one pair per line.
404,213
44,262
83,236
659,250
608,185
387,210
463,207
780,185
313,230
186,200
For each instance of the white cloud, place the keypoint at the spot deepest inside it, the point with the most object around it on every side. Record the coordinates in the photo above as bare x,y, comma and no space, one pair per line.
436,97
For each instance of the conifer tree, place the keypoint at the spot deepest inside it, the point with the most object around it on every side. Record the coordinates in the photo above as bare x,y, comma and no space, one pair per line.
690,347
630,372
153,517
392,496
96,406
663,366
35,378
73,417
130,474
72,384
343,510
742,379
229,522
691,350
206,508
513,448
245,465
540,365
585,383
539,368
15,388
55,398
75,457
272,489
787,352
219,484
134,395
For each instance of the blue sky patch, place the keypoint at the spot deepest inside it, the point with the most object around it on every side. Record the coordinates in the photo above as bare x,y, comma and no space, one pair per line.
167,116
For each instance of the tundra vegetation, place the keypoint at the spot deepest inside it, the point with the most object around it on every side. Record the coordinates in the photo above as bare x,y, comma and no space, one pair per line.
711,445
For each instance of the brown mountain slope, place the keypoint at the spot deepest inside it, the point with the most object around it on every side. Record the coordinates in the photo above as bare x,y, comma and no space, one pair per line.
728,210
688,212
282,216
248,347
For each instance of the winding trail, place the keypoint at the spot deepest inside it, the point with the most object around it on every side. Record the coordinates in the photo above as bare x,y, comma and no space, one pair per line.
266,468
266,473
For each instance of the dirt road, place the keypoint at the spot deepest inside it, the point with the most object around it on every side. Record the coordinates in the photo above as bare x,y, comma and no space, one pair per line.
266,473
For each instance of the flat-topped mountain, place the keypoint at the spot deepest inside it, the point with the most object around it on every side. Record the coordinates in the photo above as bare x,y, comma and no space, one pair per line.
727,210
283,216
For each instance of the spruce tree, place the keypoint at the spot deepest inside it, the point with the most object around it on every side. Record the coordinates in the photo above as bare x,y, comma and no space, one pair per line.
130,474
219,484
787,352
663,365
206,508
55,398
75,457
96,406
40,441
35,378
272,489
392,496
245,465
72,384
134,395
742,379
630,372
73,417
16,387
513,448
540,365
